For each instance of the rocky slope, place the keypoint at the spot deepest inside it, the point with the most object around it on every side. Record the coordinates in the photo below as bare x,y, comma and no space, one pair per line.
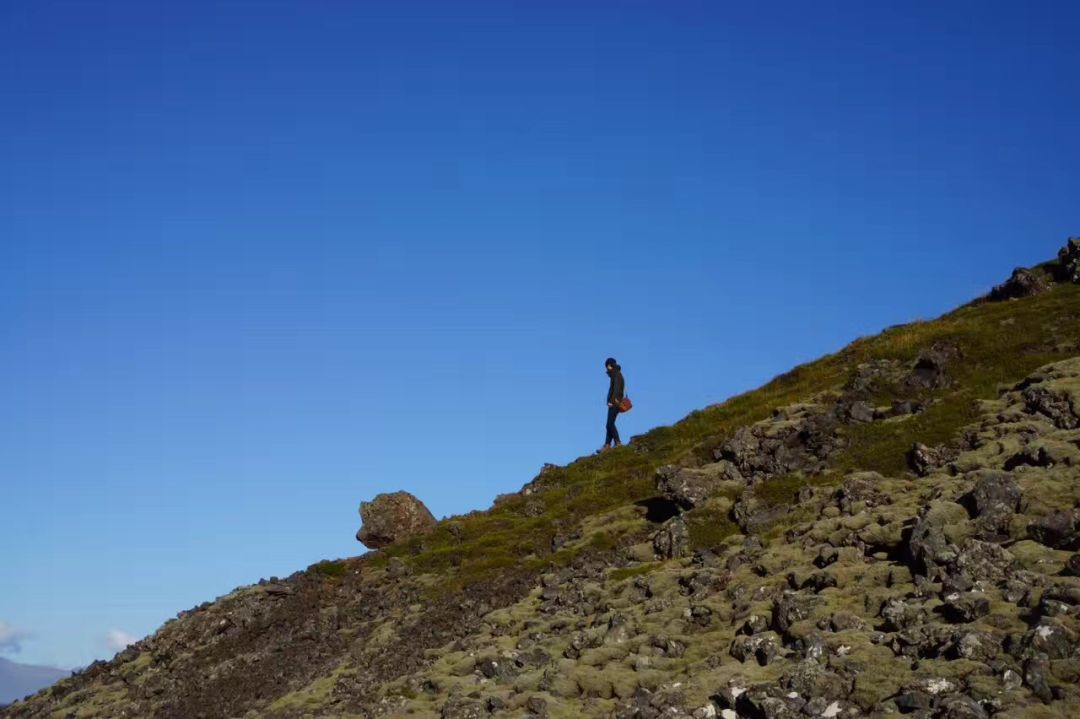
889,530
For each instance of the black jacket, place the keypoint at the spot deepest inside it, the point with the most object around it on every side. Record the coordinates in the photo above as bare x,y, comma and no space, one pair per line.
617,388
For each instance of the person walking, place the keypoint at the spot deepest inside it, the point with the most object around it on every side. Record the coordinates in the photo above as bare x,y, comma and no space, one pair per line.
616,392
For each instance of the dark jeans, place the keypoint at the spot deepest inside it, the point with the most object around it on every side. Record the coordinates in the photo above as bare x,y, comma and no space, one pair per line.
612,433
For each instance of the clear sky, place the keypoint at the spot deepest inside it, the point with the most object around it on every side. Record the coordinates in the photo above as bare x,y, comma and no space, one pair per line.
261,260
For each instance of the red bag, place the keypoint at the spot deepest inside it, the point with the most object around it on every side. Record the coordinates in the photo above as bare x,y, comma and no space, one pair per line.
626,405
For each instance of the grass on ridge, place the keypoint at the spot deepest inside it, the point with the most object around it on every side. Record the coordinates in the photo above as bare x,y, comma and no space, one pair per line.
1000,343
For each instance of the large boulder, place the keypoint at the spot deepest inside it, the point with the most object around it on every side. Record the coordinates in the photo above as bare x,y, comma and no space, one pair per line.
1069,260
391,517
1022,283
689,487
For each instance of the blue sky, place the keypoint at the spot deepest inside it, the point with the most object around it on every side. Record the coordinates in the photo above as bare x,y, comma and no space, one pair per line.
262,260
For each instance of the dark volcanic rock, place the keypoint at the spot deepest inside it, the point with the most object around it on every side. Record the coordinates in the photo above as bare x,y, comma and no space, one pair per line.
1036,671
1054,404
764,647
793,607
1051,638
924,460
996,497
1060,530
389,518
1069,261
930,544
690,487
1022,283
1072,566
928,371
797,439
859,412
672,539
966,606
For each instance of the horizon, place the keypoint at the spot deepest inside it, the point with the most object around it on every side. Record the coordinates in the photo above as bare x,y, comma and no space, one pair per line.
262,264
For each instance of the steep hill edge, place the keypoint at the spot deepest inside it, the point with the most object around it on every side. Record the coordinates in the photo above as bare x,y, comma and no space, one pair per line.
717,565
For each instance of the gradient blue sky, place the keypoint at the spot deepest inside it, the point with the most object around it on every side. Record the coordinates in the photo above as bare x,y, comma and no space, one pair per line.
262,260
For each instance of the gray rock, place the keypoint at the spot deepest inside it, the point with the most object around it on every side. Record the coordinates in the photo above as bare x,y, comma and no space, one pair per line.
900,614
767,701
996,496
1036,671
1072,565
791,608
457,707
860,412
928,372
1022,283
536,706
672,539
1060,529
1069,261
930,544
810,679
959,706
689,487
1053,403
1051,638
966,606
925,460
978,646
397,567
979,561
764,647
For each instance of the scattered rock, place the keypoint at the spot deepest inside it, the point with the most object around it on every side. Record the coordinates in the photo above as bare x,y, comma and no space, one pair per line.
672,539
996,497
1036,670
932,539
859,412
690,487
764,647
536,706
925,460
928,372
966,606
1060,529
1072,565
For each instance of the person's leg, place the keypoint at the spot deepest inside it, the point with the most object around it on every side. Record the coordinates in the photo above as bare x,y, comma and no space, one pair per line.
612,432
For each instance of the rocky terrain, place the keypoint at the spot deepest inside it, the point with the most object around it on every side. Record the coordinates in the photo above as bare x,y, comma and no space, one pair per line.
892,529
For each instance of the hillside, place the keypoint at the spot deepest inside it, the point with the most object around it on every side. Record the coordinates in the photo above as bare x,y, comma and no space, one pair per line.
889,529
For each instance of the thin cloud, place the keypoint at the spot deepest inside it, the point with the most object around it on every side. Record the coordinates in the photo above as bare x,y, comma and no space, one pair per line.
11,639
117,639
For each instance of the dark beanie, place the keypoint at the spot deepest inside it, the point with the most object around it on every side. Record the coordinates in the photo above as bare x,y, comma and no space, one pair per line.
610,362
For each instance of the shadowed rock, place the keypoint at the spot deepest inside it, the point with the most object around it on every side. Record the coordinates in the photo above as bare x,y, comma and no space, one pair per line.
1060,530
1022,283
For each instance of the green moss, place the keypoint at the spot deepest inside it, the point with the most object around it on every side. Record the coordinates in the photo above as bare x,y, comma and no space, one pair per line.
602,541
330,569
622,573
709,527
313,696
